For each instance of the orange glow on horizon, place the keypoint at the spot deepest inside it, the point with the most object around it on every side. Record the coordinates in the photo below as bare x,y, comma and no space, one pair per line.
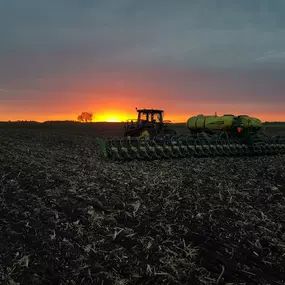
122,117
117,115
111,117
115,101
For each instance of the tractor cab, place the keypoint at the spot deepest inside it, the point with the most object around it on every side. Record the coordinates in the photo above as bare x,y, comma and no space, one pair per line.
150,116
149,121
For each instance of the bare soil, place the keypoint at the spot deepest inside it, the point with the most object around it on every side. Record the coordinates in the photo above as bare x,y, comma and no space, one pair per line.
66,217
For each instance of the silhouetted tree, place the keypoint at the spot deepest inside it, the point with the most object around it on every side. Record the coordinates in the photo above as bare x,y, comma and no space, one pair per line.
85,117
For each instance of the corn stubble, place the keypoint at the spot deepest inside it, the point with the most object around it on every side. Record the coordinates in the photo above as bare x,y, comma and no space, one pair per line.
69,218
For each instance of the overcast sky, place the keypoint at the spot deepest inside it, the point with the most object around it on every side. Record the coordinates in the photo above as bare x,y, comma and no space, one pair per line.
59,56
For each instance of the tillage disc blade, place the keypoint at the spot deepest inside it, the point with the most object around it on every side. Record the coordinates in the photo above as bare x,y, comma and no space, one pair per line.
185,146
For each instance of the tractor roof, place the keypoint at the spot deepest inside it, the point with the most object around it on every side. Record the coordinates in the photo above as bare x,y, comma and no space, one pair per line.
150,110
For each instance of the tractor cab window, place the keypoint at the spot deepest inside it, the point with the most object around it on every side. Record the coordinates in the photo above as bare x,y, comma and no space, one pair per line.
157,117
144,116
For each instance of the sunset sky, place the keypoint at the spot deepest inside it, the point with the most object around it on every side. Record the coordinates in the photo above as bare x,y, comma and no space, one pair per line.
61,57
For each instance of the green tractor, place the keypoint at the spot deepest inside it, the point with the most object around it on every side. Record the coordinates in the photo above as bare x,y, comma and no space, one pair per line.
150,138
149,123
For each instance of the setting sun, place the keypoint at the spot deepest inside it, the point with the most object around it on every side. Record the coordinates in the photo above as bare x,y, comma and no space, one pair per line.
111,118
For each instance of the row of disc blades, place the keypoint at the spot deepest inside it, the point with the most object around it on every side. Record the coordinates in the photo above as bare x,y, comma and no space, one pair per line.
161,147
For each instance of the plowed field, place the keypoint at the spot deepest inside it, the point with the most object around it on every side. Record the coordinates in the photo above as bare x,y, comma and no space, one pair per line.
66,217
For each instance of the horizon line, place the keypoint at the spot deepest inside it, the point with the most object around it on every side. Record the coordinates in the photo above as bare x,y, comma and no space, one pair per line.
108,122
